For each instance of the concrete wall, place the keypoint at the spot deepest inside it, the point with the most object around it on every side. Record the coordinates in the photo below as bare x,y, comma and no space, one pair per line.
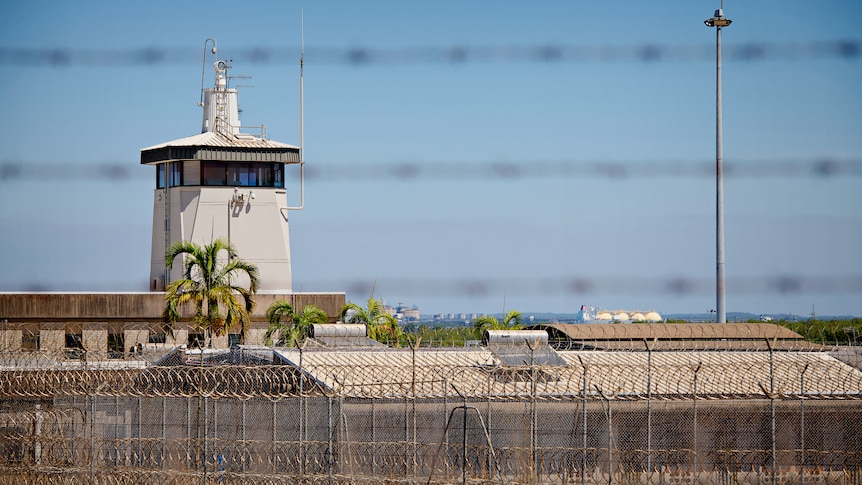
133,316
143,307
10,339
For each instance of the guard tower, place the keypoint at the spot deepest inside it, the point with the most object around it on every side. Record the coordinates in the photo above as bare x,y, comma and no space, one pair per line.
223,183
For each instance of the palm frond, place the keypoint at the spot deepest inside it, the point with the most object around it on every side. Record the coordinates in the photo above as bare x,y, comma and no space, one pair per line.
207,284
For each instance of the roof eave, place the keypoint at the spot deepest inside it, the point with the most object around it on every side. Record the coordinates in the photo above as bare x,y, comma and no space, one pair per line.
170,153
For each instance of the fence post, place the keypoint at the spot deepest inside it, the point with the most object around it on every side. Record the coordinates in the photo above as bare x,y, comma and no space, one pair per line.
610,434
533,414
302,417
772,408
488,420
406,455
329,444
802,421
38,419
206,438
413,348
192,461
244,443
694,403
274,449
584,451
164,431
374,433
649,407
92,435
464,446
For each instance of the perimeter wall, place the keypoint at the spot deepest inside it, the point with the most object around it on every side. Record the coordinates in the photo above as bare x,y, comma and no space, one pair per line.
281,424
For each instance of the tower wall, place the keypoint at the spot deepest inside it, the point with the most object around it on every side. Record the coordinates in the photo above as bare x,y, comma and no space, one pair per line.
258,228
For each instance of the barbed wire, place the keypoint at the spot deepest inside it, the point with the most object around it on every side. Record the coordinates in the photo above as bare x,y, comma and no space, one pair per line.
666,376
787,284
848,49
823,167
680,285
673,285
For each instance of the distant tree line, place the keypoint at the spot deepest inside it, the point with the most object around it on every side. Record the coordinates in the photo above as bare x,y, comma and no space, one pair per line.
209,285
842,332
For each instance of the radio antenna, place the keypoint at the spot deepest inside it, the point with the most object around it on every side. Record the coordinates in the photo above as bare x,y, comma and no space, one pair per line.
301,115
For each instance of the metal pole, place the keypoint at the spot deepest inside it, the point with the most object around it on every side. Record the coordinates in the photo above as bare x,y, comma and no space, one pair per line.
720,314
719,21
92,435
37,432
694,399
373,437
242,430
140,459
302,418
191,460
413,402
584,454
533,411
610,442
329,445
464,446
772,406
206,436
446,412
649,407
802,421
115,449
406,438
164,431
488,416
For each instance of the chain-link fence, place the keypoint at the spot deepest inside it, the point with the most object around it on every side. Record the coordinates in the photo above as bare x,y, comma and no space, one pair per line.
434,416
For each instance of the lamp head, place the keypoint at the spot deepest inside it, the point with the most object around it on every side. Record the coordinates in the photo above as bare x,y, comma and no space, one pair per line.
717,21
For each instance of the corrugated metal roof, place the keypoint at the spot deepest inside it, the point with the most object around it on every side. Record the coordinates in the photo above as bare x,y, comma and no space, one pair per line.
214,146
390,372
347,341
519,355
479,373
691,345
718,373
599,335
213,139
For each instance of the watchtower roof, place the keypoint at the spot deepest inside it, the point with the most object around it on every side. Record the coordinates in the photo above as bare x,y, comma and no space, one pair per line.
214,146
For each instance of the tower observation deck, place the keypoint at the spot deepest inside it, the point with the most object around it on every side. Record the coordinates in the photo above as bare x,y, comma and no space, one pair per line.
223,183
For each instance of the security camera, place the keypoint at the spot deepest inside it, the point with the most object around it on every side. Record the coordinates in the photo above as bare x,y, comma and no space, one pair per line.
251,194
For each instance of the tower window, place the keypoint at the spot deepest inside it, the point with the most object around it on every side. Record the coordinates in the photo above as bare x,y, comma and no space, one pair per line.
169,175
213,174
175,174
242,174
160,176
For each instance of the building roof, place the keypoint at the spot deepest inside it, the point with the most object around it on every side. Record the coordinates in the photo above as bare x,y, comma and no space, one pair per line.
480,373
664,336
215,146
448,373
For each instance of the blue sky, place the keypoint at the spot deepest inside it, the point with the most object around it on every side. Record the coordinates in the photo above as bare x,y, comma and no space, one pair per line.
628,236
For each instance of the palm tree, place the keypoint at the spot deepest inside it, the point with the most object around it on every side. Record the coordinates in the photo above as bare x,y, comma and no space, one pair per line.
511,321
382,326
208,283
290,325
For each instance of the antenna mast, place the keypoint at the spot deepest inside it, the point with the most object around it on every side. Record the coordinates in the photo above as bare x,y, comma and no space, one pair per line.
301,117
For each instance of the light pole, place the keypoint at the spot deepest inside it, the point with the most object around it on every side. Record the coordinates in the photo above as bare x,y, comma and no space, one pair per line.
719,21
